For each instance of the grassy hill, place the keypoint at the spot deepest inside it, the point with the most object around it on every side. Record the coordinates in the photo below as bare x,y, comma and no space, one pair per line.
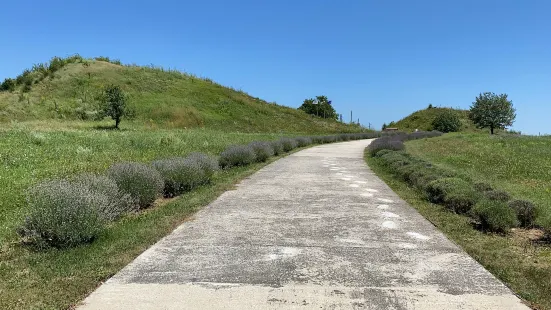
422,120
67,88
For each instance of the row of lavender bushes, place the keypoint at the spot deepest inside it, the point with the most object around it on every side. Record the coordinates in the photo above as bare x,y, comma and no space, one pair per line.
489,209
71,211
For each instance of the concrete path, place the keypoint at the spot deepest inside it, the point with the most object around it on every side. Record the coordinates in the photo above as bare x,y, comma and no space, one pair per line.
314,230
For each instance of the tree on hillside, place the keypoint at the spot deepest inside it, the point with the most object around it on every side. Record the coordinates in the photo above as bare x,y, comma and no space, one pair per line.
384,126
320,107
113,103
446,121
492,111
8,85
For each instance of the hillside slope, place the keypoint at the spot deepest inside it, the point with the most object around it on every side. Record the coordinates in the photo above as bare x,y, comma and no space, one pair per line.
422,120
164,98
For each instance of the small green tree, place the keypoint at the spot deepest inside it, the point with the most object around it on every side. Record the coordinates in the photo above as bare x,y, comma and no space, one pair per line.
492,111
113,103
320,107
384,126
447,121
8,85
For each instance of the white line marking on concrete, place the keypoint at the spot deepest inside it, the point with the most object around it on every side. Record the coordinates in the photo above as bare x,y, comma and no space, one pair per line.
361,182
354,185
389,225
390,214
338,173
372,190
348,176
417,235
346,179
366,194
382,207
385,200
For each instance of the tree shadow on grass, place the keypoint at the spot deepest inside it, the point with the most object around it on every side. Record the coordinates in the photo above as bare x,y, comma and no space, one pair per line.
108,128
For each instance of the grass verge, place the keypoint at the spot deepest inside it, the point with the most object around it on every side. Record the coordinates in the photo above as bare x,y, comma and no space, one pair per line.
523,266
59,279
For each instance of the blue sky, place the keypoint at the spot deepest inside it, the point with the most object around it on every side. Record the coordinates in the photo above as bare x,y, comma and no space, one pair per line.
381,59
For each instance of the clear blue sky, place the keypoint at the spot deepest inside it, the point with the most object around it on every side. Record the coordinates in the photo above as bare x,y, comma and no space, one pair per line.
381,59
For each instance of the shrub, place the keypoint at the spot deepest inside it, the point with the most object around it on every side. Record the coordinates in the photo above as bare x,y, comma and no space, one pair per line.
303,141
447,121
142,182
382,152
392,157
237,155
208,164
495,215
344,137
385,144
423,177
456,194
262,150
329,139
63,214
178,175
525,211
119,203
288,144
497,195
8,85
277,147
483,187
318,139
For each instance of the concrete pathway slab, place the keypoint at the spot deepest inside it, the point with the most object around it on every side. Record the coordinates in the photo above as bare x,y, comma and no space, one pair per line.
314,230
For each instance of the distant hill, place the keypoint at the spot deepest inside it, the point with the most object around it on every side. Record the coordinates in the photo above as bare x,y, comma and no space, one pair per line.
67,88
422,120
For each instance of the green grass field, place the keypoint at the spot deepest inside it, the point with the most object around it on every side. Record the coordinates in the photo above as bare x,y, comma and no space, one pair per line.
32,152
520,165
516,164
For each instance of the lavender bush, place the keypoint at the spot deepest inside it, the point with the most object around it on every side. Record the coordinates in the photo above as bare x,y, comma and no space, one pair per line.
237,155
262,150
62,214
119,203
142,182
288,144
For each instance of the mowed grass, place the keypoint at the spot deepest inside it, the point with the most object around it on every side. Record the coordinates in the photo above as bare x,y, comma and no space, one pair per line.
32,152
520,165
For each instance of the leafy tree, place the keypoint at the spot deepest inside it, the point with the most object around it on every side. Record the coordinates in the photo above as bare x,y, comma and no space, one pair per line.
113,103
430,106
7,85
447,121
492,111
320,106
384,126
